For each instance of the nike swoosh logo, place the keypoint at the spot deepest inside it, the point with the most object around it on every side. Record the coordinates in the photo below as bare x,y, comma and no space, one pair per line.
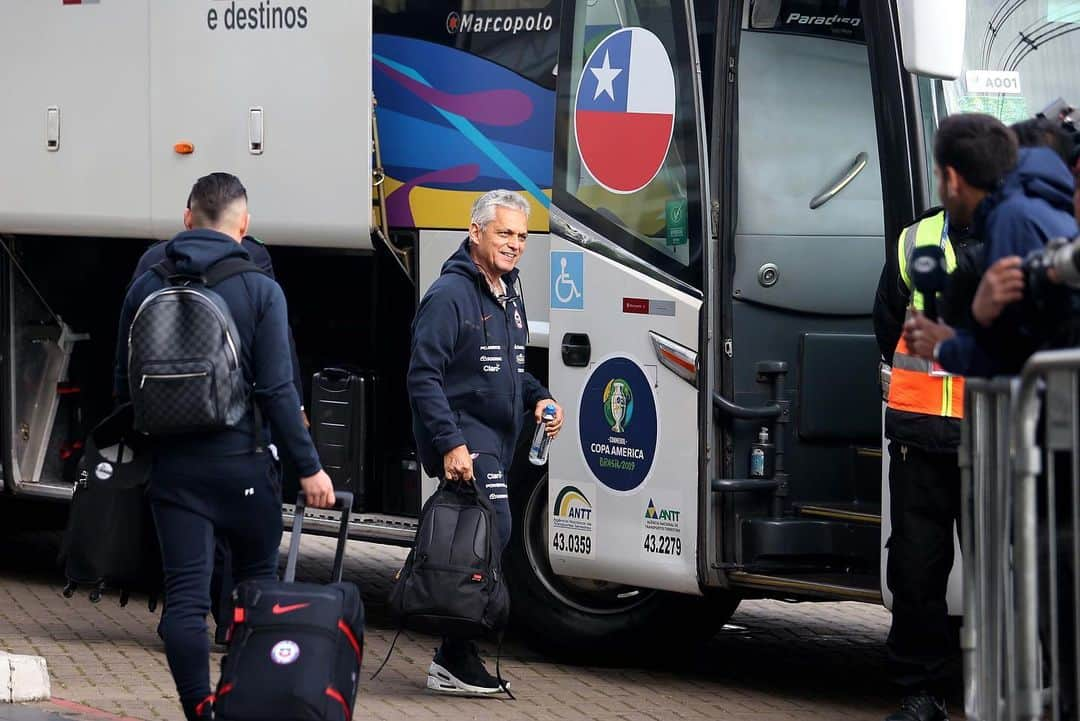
278,609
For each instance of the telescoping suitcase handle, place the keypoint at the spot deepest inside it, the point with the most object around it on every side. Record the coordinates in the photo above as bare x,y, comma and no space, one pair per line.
343,502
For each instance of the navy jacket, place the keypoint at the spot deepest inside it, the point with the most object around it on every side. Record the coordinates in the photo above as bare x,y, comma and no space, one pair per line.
467,379
1033,206
258,307
260,256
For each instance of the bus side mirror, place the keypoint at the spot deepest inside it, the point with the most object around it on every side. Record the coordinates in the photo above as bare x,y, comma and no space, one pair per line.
932,36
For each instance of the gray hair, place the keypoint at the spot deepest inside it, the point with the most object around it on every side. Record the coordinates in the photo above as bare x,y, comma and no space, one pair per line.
483,210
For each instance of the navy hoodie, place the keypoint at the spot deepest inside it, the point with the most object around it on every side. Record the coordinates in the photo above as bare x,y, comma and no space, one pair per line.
258,308
467,379
1033,206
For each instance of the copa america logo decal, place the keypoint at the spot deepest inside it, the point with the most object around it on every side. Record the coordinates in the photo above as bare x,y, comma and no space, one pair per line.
618,404
617,424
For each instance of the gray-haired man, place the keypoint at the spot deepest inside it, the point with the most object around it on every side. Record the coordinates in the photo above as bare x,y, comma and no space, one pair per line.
468,386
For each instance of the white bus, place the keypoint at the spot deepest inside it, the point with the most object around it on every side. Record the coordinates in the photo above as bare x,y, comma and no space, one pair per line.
715,185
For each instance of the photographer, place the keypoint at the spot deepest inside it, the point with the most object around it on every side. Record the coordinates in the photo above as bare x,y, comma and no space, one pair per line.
1033,205
1058,263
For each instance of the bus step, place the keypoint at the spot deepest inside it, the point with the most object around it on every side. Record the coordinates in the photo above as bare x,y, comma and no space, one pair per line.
857,512
375,527
821,586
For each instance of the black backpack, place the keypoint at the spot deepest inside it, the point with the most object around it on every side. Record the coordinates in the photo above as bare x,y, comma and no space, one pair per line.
452,582
184,367
110,541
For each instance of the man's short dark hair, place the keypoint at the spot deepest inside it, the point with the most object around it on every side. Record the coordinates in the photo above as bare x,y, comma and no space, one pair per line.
212,194
978,147
1043,133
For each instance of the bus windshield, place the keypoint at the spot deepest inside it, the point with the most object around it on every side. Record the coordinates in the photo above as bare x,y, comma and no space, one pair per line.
1019,57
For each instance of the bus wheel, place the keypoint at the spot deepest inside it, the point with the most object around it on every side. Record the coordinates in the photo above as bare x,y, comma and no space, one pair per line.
583,620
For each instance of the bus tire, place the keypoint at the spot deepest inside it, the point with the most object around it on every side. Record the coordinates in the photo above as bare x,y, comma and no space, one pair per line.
586,621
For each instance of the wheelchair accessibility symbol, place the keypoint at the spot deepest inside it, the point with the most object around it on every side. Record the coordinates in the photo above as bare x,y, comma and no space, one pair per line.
567,280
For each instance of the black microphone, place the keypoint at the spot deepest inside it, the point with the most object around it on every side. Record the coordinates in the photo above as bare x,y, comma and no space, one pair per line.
929,276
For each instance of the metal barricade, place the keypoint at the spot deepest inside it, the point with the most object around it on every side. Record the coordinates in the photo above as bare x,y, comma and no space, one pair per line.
1020,466
989,670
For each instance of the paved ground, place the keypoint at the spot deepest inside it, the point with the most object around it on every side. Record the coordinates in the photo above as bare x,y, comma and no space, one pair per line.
773,661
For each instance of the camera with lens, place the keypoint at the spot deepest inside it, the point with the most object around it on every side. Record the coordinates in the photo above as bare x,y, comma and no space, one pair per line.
1057,262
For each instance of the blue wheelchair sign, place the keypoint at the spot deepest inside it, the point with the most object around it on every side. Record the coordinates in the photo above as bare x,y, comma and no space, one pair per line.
567,280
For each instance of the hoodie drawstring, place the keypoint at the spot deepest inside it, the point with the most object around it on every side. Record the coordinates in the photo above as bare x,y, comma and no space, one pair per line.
524,313
480,307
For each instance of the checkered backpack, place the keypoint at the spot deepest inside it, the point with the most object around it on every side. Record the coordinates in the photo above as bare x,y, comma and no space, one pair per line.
184,368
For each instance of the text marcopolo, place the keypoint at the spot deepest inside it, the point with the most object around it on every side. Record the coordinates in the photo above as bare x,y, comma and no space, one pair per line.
513,24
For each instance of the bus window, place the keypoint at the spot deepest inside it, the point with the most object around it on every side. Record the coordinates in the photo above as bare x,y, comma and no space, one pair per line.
1018,59
806,116
835,19
626,160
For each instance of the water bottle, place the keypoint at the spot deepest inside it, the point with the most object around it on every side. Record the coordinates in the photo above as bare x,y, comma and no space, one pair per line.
538,453
762,456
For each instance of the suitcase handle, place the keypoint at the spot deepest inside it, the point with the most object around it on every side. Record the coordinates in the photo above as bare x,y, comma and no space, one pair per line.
344,502
337,373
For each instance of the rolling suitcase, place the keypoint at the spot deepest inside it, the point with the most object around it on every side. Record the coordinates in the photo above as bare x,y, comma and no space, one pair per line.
110,541
295,648
340,404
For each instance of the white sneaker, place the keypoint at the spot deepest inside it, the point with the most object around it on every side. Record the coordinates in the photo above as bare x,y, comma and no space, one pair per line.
468,678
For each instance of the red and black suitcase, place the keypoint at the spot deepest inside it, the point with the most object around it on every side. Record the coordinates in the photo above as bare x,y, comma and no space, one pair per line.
295,649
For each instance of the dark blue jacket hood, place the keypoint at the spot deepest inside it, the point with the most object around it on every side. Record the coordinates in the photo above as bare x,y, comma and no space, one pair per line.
1040,173
193,251
461,263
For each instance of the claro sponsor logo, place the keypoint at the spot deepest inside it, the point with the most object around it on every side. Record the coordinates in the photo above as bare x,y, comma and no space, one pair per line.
459,23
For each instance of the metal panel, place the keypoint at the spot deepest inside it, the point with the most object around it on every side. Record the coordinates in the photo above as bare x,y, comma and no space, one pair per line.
806,112
834,275
308,67
89,62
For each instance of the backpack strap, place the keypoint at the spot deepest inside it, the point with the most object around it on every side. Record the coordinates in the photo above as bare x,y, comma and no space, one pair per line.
227,268
165,270
219,271
216,273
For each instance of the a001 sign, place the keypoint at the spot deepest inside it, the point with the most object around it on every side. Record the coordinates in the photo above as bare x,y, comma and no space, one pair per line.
1005,82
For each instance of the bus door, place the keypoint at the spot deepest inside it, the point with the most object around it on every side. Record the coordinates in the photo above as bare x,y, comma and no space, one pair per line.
803,237
627,282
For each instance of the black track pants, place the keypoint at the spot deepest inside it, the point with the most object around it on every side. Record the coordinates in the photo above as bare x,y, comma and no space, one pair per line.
236,498
924,495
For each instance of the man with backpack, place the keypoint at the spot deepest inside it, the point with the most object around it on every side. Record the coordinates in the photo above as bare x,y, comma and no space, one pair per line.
221,582
202,355
468,387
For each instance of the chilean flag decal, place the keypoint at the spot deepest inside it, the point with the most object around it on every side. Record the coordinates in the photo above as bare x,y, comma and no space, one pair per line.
625,110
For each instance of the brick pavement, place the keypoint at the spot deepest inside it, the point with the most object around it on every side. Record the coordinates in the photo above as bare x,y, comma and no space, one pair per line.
773,661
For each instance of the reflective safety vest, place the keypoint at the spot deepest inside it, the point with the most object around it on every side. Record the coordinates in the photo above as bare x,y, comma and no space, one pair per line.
919,385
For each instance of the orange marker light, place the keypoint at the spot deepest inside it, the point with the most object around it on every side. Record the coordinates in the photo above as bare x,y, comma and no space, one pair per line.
184,148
